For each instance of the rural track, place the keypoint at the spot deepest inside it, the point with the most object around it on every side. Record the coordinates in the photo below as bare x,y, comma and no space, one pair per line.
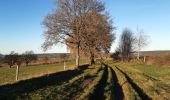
140,92
99,91
117,89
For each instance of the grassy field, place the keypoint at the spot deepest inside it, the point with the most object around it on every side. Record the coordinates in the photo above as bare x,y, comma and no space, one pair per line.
7,75
148,80
110,81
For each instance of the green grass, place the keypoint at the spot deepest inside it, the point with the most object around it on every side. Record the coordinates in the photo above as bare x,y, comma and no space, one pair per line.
26,89
66,90
128,81
108,90
153,80
7,75
89,91
129,92
160,73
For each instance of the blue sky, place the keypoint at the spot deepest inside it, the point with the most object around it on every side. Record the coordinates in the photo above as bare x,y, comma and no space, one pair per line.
21,28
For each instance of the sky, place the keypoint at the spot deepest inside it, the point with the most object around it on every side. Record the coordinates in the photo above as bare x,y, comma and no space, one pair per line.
21,26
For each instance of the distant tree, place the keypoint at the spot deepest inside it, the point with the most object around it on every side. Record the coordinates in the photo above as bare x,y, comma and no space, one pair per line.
14,59
63,57
46,59
29,56
116,55
68,22
126,44
1,59
141,41
11,59
19,61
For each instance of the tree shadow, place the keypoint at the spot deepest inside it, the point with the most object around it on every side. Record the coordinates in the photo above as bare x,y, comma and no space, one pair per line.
99,90
117,90
9,91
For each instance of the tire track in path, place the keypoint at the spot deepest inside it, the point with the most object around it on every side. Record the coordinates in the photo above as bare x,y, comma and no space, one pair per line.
140,92
117,89
99,91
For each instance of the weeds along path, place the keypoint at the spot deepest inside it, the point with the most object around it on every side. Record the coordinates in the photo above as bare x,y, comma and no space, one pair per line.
22,89
140,92
96,89
154,87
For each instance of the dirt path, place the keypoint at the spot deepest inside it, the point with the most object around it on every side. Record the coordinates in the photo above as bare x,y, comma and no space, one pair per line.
99,91
117,89
140,92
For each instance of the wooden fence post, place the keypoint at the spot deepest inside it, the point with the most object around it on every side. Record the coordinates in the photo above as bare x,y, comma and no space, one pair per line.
17,71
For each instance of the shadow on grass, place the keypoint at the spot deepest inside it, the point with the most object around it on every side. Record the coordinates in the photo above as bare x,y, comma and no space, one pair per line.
99,90
117,91
69,91
11,91
140,92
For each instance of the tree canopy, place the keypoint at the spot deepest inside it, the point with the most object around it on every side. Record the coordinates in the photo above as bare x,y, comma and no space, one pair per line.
80,23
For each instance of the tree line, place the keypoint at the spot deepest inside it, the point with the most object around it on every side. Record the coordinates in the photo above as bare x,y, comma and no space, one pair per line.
129,43
15,59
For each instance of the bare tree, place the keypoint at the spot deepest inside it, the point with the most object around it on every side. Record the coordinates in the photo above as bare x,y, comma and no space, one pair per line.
126,46
19,61
116,54
141,41
98,36
68,22
11,59
29,56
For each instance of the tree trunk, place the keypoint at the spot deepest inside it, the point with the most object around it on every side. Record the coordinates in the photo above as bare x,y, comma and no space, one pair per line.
78,55
138,55
144,59
92,60
27,64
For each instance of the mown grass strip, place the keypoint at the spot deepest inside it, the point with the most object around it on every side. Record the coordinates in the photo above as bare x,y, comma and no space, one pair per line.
109,88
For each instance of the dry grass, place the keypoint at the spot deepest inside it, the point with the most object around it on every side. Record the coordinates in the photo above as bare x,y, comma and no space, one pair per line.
161,60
